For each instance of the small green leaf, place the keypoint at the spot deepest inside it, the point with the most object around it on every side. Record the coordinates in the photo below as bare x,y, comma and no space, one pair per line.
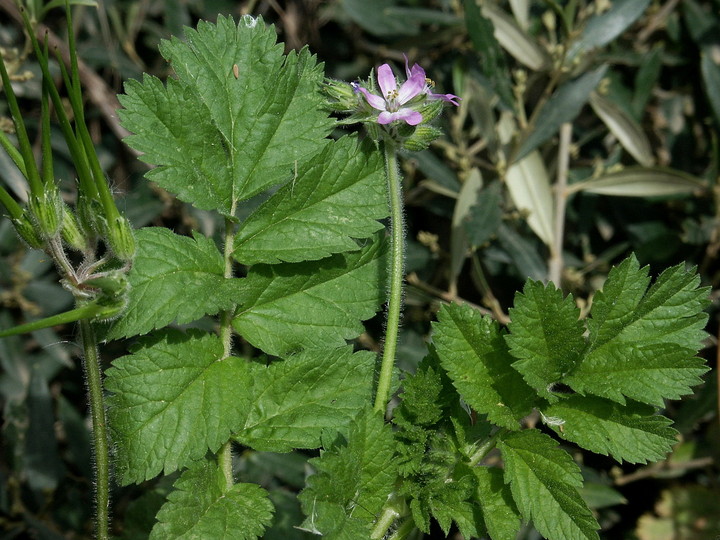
173,399
485,217
319,304
546,335
563,106
218,139
710,67
524,254
544,481
472,350
467,198
633,433
353,481
337,196
295,401
500,514
204,506
173,278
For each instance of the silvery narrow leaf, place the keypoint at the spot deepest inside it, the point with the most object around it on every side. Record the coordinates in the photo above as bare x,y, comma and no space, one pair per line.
515,40
642,182
624,127
529,186
466,200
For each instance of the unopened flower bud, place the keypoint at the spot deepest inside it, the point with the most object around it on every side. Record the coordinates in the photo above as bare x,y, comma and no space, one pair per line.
24,227
47,212
342,96
121,239
71,233
422,138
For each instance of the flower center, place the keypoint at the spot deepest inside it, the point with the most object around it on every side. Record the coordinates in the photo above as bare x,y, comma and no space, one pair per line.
391,100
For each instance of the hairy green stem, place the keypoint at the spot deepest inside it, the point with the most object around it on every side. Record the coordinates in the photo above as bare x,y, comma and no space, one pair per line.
396,276
93,376
384,522
485,448
224,456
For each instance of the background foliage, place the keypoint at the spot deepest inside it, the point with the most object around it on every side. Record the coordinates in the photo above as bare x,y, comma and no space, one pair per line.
639,83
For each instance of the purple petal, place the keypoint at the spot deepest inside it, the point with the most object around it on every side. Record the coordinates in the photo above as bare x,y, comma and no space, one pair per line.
413,118
386,79
411,88
386,117
450,98
408,74
376,102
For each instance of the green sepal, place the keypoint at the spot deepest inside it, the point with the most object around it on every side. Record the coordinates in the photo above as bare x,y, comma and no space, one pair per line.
72,235
24,227
47,212
121,239
421,139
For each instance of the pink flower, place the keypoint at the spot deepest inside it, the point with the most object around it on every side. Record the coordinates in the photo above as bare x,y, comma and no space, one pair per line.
392,98
418,71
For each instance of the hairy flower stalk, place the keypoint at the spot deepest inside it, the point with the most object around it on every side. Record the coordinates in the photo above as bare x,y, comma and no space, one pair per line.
414,104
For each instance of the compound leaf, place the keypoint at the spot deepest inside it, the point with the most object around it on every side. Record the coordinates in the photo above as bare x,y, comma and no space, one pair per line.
544,481
173,398
546,335
352,482
642,344
296,400
632,432
216,138
204,506
287,307
337,196
173,278
472,350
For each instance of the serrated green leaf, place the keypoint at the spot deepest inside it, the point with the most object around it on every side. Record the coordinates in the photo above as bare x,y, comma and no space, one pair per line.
173,278
218,139
203,506
318,304
337,196
296,400
500,515
632,433
472,350
546,335
173,399
642,343
353,481
544,481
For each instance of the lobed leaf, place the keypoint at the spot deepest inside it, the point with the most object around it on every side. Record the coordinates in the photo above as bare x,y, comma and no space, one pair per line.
337,196
173,278
472,350
296,400
287,307
546,335
204,506
173,398
544,481
218,139
353,481
632,433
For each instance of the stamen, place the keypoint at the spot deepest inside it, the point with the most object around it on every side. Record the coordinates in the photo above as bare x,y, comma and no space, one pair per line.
392,94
